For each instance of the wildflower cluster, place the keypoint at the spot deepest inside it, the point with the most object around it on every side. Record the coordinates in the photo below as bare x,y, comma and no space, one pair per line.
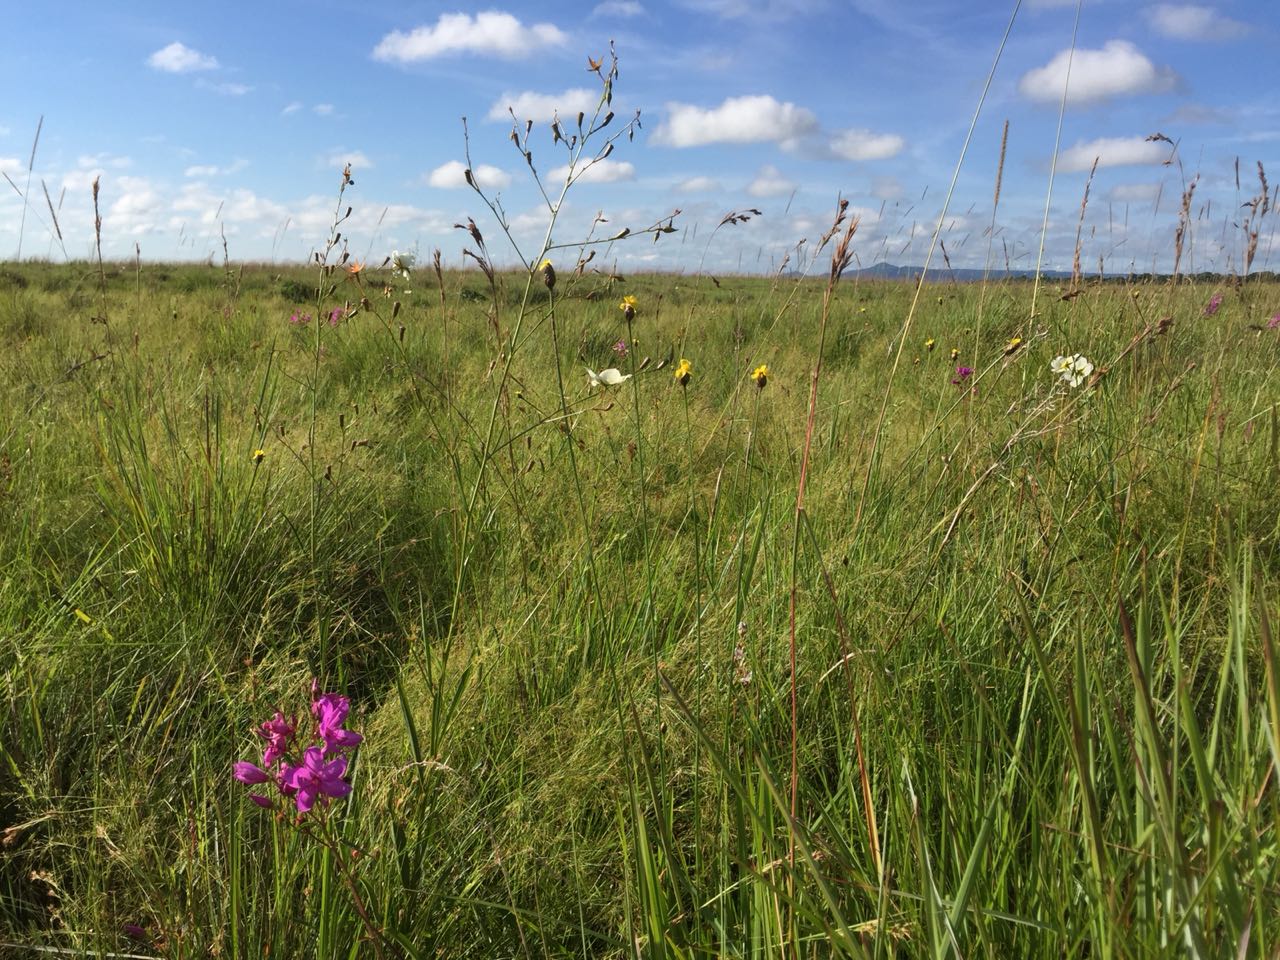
310,775
1072,370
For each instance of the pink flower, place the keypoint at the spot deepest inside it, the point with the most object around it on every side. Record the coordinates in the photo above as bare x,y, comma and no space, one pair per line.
1212,306
300,319
278,732
316,779
962,374
330,710
1274,322
249,773
335,315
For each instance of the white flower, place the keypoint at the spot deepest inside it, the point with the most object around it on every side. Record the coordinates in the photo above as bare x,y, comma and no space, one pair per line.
402,263
1060,365
607,378
1080,370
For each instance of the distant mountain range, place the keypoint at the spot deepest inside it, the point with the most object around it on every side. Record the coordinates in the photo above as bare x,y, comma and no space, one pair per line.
889,271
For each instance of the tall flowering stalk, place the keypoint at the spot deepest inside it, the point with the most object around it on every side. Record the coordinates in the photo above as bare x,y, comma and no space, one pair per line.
300,776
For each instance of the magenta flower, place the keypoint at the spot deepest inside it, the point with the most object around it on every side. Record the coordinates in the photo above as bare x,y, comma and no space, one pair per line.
1212,306
1274,322
330,710
300,319
279,733
962,374
316,779
334,316
249,773
620,348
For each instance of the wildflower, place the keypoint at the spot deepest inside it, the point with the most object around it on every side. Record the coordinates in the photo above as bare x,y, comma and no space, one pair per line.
249,773
1081,368
1274,322
548,274
1012,346
315,779
1215,302
928,344
1060,365
610,377
962,374
259,455
300,319
330,710
334,316
402,263
355,268
683,372
955,353
279,734
628,307
761,376
620,348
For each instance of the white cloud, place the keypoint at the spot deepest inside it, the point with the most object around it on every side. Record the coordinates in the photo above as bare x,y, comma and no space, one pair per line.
1187,21
11,165
866,145
541,107
698,185
202,171
1134,192
198,172
97,160
179,58
750,119
291,108
769,182
340,158
1118,69
1112,152
323,109
452,176
602,171
887,188
226,89
491,32
618,8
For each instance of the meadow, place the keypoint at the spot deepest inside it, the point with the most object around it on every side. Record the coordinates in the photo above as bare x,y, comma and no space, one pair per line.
795,616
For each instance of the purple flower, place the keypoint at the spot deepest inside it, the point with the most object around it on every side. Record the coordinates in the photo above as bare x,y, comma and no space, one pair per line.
962,374
300,319
260,800
620,348
278,732
334,316
315,779
1274,322
330,710
1212,306
249,773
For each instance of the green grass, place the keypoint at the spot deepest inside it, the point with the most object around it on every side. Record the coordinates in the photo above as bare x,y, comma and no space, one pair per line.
1038,712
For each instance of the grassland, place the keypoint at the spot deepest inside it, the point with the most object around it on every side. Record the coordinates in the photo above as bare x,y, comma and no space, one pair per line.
1027,631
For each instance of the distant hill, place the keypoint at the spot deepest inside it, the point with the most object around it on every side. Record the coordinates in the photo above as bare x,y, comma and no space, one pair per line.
890,271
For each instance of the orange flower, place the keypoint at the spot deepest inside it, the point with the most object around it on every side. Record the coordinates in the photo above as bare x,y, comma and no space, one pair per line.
355,268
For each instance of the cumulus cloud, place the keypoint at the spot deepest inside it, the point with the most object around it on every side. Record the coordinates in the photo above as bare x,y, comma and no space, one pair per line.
453,175
1188,21
491,32
1118,69
11,165
541,107
770,182
750,119
698,185
1112,152
602,171
179,58
1134,192
866,145
618,8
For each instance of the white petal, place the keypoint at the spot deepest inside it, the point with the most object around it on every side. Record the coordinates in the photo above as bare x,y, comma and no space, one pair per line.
612,377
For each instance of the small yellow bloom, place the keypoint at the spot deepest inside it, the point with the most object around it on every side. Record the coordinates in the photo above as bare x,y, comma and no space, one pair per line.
628,307
928,344
548,274
683,372
1013,344
955,353
258,455
761,376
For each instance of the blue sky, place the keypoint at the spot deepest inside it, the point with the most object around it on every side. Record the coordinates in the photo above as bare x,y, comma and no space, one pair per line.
204,119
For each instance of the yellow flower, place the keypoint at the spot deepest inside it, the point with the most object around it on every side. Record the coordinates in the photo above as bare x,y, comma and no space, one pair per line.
628,307
1013,344
683,372
548,274
955,353
259,455
928,344
761,376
